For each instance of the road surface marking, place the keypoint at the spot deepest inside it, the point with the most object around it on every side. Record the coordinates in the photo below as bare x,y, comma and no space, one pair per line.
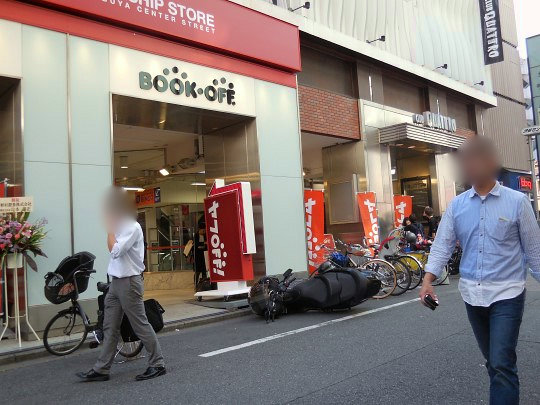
304,329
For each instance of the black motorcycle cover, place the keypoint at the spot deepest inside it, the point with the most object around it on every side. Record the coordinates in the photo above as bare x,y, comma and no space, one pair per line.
338,288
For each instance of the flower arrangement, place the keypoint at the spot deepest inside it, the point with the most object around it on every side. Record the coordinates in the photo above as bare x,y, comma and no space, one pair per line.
17,235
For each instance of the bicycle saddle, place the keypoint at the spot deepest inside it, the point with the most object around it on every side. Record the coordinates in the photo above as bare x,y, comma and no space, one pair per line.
102,287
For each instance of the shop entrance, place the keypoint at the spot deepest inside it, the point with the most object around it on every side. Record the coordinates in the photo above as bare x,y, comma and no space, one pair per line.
413,173
167,156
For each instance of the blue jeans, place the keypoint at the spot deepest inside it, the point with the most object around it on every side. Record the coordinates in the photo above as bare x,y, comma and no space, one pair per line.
497,329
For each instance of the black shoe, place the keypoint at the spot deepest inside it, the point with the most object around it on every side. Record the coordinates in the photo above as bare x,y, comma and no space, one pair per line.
151,372
93,376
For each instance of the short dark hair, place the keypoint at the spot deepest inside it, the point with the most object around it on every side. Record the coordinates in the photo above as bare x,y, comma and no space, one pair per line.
428,211
413,218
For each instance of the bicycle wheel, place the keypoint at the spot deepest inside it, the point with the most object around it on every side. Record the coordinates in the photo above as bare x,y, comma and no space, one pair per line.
416,269
403,277
64,333
385,273
129,349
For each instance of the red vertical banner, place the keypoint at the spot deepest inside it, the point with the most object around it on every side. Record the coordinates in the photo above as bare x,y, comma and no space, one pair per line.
368,214
314,210
402,209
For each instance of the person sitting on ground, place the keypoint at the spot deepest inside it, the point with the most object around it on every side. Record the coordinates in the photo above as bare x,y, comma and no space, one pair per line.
418,225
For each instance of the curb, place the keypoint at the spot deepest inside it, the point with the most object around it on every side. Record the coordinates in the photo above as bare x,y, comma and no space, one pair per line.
18,356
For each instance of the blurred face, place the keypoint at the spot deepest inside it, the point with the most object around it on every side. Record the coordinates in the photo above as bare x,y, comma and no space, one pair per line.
407,222
479,162
117,206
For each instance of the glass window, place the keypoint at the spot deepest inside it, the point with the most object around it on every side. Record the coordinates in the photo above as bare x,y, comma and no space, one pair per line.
11,157
403,95
327,72
461,112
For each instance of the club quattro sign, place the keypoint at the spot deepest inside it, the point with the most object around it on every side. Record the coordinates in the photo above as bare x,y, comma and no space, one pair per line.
435,121
180,84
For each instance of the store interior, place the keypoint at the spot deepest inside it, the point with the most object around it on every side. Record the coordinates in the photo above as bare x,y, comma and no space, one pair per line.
413,168
159,157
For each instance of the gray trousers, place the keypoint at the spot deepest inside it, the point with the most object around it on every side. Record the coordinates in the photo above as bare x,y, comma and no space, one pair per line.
126,295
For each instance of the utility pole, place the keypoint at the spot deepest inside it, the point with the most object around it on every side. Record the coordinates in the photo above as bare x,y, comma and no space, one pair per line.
531,133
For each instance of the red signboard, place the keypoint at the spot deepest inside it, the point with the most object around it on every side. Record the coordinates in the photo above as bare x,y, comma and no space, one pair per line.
525,183
147,197
368,213
227,261
218,24
314,211
329,241
402,209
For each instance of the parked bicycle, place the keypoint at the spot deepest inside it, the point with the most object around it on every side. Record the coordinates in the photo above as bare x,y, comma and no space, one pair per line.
380,269
67,331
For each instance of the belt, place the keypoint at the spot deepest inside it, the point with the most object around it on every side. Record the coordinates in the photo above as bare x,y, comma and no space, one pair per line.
117,278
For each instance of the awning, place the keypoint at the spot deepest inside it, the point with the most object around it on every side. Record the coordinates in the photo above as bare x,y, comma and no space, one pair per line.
440,141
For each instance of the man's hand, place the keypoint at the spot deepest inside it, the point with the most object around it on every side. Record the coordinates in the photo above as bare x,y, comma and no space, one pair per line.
111,240
427,288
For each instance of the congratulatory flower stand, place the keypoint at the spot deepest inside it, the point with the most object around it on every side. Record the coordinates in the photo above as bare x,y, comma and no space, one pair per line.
18,238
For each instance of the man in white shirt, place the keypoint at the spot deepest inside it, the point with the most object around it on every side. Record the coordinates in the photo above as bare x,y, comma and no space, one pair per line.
500,238
125,294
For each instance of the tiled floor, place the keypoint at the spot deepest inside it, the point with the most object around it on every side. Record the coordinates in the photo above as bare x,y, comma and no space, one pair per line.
179,304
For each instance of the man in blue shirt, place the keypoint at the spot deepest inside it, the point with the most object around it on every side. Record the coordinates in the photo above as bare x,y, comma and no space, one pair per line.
500,237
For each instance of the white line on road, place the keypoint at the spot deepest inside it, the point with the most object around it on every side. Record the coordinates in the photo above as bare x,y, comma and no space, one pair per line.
304,329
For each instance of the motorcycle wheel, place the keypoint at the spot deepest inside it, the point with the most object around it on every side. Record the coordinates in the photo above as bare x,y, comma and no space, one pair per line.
385,273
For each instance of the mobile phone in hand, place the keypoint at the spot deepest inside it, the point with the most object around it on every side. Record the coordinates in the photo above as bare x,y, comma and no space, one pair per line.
430,302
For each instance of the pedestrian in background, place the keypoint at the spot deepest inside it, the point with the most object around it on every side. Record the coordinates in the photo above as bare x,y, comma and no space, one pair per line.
500,239
125,295
432,222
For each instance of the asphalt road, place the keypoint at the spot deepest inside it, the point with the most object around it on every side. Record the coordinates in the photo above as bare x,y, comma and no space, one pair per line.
403,354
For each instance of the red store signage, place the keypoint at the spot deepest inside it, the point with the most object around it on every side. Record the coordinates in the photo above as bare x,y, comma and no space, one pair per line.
525,183
402,209
314,211
367,204
227,261
218,24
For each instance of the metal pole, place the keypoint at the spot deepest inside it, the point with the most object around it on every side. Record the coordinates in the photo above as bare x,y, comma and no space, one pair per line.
533,177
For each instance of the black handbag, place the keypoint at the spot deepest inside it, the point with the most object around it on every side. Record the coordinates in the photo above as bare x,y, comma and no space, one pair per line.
154,313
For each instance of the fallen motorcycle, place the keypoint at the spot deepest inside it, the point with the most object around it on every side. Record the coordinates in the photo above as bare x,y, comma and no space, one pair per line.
329,288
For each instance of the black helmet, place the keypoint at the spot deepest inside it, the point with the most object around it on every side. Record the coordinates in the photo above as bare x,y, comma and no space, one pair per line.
264,298
410,237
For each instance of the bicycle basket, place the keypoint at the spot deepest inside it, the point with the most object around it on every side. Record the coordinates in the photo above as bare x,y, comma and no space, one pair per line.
59,286
54,283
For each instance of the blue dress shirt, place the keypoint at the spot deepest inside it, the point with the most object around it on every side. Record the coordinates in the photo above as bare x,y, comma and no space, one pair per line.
500,239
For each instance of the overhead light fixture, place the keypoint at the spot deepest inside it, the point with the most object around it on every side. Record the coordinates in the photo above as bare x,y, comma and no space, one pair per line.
479,83
445,66
202,172
306,5
164,171
411,147
393,171
162,122
198,184
123,162
133,189
382,38
399,144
